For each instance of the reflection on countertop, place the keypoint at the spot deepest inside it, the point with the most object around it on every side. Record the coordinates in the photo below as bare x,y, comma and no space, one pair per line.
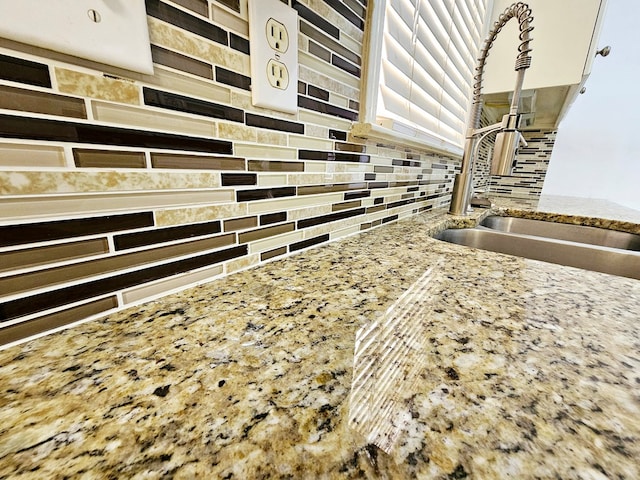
385,355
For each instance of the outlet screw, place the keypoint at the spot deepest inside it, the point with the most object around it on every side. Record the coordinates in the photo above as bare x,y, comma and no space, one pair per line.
94,15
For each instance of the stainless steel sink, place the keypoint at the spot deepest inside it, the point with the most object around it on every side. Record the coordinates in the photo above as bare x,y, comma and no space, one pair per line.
615,261
563,231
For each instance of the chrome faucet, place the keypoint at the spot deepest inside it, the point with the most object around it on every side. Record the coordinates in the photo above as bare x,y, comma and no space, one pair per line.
508,138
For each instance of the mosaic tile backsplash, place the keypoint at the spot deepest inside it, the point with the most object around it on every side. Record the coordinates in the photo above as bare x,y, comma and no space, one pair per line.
117,187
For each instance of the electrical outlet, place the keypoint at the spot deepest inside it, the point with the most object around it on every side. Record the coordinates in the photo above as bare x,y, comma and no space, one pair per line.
277,74
273,34
277,35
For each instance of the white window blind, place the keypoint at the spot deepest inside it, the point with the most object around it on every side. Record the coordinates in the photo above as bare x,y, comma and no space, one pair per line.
428,55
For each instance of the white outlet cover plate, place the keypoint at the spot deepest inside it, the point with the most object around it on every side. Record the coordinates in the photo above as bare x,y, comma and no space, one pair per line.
120,38
262,93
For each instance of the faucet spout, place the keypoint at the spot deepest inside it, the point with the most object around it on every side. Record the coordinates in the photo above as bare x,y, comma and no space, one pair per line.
509,136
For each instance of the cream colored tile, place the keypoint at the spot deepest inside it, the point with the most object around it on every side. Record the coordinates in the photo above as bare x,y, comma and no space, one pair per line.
300,141
274,242
319,178
333,226
262,151
229,21
94,86
307,116
266,137
315,166
268,180
309,212
329,14
179,216
190,85
31,182
242,263
338,100
379,160
316,131
163,287
155,119
349,167
243,101
166,35
55,205
329,77
26,155
291,203
236,131
345,232
352,43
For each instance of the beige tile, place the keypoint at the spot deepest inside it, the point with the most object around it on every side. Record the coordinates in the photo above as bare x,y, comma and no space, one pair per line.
267,180
151,118
236,131
300,141
332,16
333,226
165,286
166,35
317,131
243,101
189,85
274,242
265,232
56,205
321,74
338,100
345,232
26,155
267,138
242,263
229,21
31,183
316,167
319,179
294,202
94,86
180,216
259,151
307,116
300,213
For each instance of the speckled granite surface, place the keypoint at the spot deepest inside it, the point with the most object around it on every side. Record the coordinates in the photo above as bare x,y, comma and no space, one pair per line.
489,367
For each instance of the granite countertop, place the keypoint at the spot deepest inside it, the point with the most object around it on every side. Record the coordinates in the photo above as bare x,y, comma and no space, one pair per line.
385,355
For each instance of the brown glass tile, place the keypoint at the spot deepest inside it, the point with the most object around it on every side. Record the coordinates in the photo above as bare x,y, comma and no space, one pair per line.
348,67
240,224
182,103
353,105
329,109
274,124
378,201
270,218
198,6
231,179
340,187
78,271
175,60
273,253
88,158
26,329
302,87
33,257
356,7
377,208
379,185
264,193
239,43
232,4
369,177
196,162
328,42
406,163
352,195
56,298
57,131
24,71
389,219
332,217
163,235
232,78
308,243
174,16
350,147
346,205
265,232
317,20
338,135
318,93
401,203
332,156
45,231
276,166
381,169
346,12
13,98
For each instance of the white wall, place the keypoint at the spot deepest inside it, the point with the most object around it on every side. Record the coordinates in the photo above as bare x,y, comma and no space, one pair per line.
597,152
